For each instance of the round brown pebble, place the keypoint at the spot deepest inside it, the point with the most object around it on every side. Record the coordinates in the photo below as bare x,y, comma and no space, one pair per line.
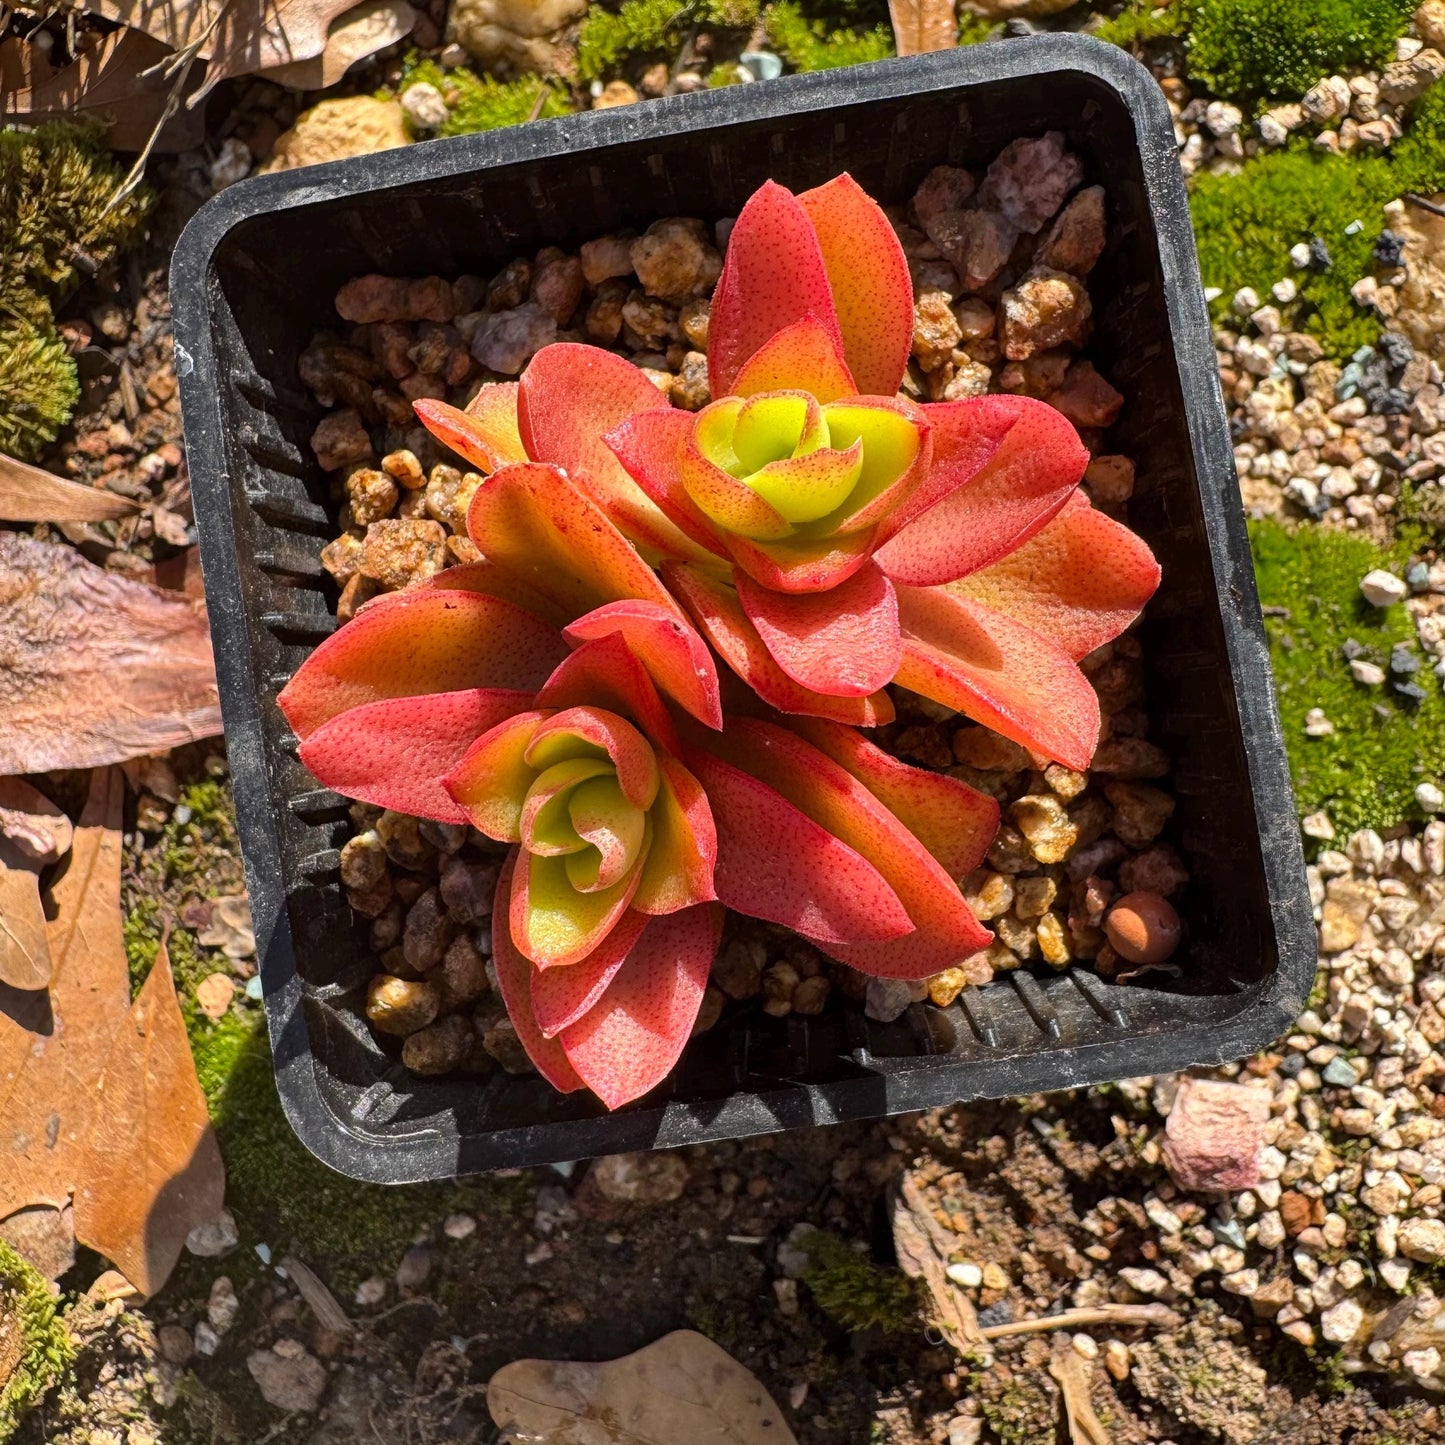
401,1006
1143,927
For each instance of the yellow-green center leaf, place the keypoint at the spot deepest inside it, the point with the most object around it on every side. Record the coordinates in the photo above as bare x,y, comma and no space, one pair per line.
805,488
546,818
776,425
563,924
613,826
889,443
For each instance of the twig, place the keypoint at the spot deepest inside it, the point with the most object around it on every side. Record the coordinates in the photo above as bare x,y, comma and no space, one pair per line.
1155,1314
1424,205
543,91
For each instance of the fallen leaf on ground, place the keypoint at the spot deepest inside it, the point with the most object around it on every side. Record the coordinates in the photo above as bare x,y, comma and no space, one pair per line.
107,83
214,994
93,667
24,950
923,25
319,1299
230,927
359,33
99,1099
31,823
1074,1372
682,1388
43,1237
923,1246
31,494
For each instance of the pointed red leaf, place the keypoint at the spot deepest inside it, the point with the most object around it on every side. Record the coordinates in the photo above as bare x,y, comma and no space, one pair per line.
954,822
942,928
492,581
843,642
773,275
419,642
606,673
679,868
775,862
800,565
713,604
1001,493
999,672
560,996
515,976
629,1041
869,278
650,446
532,521
802,357
485,433
397,752
1080,581
674,655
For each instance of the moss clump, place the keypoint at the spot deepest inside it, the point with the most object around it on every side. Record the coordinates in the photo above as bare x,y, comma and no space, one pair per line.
31,1335
854,1291
1141,21
1363,774
38,386
1252,49
608,37
1418,158
1246,223
477,102
810,45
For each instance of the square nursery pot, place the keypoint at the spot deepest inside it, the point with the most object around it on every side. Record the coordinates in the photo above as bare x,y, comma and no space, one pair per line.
253,278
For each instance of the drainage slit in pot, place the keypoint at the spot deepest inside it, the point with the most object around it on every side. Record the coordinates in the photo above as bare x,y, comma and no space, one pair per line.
1088,986
291,512
978,1011
319,865
268,396
317,803
300,625
277,457
1040,1009
289,564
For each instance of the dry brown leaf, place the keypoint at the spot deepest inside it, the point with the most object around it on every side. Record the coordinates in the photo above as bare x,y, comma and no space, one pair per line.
923,25
98,1098
31,494
682,1388
43,1237
31,824
359,33
94,667
1074,1372
923,1246
24,951
107,82
235,37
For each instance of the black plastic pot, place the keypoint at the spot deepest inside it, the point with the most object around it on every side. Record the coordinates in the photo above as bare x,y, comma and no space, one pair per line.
253,278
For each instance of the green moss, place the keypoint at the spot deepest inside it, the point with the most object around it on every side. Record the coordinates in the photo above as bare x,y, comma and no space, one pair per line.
38,387
1246,223
1364,774
1418,158
1141,21
45,1347
477,102
810,45
1251,49
854,1291
608,37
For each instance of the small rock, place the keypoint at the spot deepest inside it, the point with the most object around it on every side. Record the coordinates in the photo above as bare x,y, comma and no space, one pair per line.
340,440
355,125
1143,928
1046,309
211,1241
1423,1240
1382,589
205,1340
290,1378
233,163
214,994
1214,1133
674,260
424,106
370,1292
1430,798
1029,179
887,999
655,1178
969,1275
613,94
1370,674
459,1226
414,1268
1342,1322
506,341
175,1344
222,1305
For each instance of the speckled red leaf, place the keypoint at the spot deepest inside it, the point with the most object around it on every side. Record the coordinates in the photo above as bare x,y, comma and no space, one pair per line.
773,275
713,604
629,1041
493,581
802,357
396,753
999,672
484,433
421,642
606,673
489,784
843,642
630,753
560,996
869,278
650,447
679,868
1000,491
1080,581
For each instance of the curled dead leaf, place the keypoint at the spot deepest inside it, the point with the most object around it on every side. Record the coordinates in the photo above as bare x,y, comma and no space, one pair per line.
360,32
230,927
24,949
31,494
923,1247
923,25
34,826
681,1388
93,667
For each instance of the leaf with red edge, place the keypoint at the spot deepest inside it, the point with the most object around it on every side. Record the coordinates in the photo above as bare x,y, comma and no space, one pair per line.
844,642
533,522
560,996
571,396
713,604
629,1041
489,784
999,672
802,357
775,862
606,673
421,642
650,447
869,278
773,275
515,976
956,823
484,433
492,581
553,923
943,929
1001,493
628,751
1080,581
396,753
799,564
674,655
679,867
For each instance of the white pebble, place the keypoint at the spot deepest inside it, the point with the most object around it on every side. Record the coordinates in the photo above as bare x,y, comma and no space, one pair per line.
1317,725
1284,291
1246,299
205,1339
1421,1363
370,1292
1381,588
424,105
1430,798
1341,1323
966,1273
1318,825
459,1226
1299,255
1371,674
1085,1345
